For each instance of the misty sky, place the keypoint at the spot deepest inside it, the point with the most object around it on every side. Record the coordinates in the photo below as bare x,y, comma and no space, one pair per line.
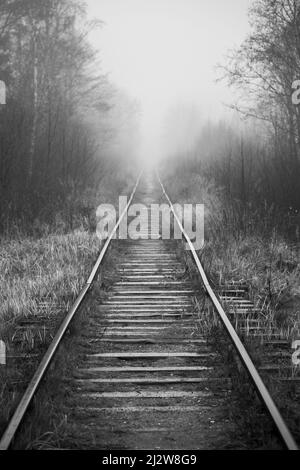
163,52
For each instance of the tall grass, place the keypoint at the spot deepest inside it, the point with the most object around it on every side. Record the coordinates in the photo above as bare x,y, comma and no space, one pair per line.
257,246
42,269
46,269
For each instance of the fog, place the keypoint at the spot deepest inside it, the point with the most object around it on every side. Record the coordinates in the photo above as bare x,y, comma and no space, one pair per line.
163,53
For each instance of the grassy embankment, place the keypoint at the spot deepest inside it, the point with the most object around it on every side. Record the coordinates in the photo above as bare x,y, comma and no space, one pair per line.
247,246
41,272
250,246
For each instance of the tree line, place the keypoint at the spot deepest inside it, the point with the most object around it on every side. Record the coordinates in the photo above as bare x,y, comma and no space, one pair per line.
256,157
264,68
53,82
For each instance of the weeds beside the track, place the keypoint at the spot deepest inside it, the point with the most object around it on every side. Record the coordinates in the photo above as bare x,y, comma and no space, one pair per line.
40,276
46,426
241,248
247,246
39,280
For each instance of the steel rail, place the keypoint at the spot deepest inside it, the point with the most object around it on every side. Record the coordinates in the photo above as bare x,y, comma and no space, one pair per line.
247,362
35,382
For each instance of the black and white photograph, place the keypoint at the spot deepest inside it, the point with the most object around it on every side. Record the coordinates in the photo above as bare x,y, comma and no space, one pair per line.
149,229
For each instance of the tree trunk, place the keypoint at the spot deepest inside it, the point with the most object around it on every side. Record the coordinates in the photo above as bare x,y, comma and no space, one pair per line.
243,189
34,119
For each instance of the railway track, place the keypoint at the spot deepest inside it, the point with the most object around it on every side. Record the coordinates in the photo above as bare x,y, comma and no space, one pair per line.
145,377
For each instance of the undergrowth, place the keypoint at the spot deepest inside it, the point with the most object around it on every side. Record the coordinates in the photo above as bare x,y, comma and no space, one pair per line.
251,248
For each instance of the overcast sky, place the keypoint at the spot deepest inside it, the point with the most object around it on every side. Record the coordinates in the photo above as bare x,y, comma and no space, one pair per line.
163,52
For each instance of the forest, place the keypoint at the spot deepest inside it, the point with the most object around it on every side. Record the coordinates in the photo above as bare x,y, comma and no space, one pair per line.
62,115
255,156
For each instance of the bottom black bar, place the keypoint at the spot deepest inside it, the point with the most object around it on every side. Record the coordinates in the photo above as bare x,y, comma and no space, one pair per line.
138,459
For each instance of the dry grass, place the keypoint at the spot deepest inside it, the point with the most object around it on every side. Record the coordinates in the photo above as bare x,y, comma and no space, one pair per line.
247,246
39,279
251,247
49,269
41,272
47,426
48,264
